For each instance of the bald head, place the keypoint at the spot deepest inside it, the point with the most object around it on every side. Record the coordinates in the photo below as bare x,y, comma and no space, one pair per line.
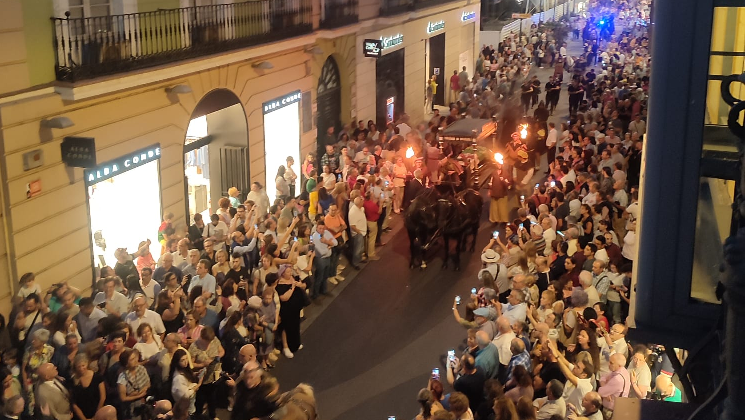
46,371
517,346
617,361
483,339
503,325
247,354
106,412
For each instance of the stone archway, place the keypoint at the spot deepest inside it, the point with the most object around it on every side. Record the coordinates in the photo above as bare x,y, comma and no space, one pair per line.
329,98
216,152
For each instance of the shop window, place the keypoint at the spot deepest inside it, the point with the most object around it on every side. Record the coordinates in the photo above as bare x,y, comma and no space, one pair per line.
720,157
125,210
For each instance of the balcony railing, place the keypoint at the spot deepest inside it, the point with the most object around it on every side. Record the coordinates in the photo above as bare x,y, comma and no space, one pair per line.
394,7
91,47
338,13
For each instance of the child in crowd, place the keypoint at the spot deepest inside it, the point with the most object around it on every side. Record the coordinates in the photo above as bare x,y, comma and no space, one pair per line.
28,286
268,319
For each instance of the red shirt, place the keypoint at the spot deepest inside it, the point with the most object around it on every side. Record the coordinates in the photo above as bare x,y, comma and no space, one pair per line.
455,85
371,211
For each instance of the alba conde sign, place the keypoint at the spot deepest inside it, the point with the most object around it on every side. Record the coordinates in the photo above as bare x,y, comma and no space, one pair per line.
115,167
278,103
435,26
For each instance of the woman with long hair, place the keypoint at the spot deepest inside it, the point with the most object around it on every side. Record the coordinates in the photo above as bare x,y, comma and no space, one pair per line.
232,341
150,344
586,222
282,189
133,382
291,302
523,385
504,409
62,326
325,200
168,306
206,352
525,410
191,329
184,383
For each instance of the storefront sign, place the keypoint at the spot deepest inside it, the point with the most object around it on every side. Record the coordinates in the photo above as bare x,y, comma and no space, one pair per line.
392,41
372,48
467,16
125,163
435,26
278,103
79,152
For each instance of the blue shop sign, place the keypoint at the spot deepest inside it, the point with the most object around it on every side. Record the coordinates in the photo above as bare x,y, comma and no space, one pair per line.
278,103
117,166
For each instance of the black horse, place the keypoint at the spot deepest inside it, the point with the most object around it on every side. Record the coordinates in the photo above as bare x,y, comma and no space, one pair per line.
432,215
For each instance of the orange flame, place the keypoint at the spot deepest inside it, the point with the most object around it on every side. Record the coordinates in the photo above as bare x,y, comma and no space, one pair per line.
410,152
524,132
499,158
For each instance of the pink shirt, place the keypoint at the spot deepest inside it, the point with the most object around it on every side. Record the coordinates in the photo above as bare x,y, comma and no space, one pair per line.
615,384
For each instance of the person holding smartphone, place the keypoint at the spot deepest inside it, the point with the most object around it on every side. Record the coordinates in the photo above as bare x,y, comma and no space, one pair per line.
467,379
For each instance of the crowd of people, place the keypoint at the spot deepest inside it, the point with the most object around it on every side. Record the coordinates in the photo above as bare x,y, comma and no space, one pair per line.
201,325
546,322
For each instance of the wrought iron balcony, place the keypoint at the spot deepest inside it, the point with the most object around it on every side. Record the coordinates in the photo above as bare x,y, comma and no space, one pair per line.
96,46
338,13
395,7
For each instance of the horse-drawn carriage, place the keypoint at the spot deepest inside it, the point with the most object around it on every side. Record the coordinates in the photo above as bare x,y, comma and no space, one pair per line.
452,209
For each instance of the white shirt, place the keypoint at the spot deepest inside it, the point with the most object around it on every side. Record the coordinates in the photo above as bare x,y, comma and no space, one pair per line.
593,296
118,301
502,342
404,129
552,137
629,249
148,350
602,255
150,317
563,51
178,260
549,236
574,394
357,219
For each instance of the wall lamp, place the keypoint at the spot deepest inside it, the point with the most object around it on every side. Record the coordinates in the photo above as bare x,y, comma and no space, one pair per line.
179,89
315,50
57,122
263,65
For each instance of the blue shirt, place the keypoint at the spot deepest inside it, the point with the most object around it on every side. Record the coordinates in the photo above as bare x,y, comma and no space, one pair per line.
210,319
522,359
489,360
207,282
322,249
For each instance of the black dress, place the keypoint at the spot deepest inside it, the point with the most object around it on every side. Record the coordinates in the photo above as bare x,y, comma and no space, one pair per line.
87,398
173,325
290,315
585,238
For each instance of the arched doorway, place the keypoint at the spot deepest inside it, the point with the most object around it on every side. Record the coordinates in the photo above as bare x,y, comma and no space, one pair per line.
328,100
216,153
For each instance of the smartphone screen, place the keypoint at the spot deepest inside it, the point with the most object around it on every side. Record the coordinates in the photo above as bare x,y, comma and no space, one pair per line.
436,373
473,290
495,234
451,354
523,197
392,417
552,184
560,234
458,300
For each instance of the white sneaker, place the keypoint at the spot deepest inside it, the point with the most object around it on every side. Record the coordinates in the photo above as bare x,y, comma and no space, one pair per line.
332,280
341,267
287,353
340,278
300,347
